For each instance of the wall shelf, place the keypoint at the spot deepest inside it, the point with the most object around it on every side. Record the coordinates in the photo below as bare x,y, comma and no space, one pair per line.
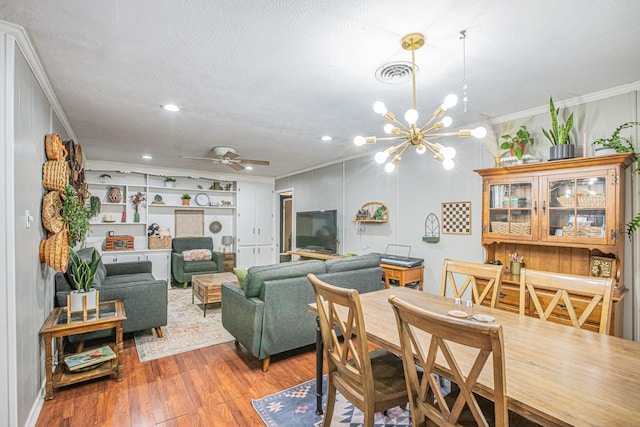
373,212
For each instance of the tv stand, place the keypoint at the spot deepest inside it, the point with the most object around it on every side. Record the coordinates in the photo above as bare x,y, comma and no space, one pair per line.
314,255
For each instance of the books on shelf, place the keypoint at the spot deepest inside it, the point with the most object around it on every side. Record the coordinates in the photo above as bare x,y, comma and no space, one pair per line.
89,358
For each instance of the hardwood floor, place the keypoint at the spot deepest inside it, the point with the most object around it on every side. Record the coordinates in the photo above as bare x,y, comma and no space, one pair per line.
212,386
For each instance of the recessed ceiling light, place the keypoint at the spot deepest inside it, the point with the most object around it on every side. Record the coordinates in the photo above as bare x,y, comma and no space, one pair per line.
248,168
171,107
147,157
326,138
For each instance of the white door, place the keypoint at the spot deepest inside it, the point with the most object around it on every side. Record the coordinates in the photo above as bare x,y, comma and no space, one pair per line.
264,214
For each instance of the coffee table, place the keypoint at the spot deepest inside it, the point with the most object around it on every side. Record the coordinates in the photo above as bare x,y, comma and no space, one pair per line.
207,287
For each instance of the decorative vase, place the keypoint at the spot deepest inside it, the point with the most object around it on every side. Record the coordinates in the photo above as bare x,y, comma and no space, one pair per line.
77,298
169,184
562,151
136,216
520,146
114,195
185,202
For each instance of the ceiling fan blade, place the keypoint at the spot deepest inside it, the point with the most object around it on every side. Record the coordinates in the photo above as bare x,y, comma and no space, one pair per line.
230,155
212,159
236,166
254,162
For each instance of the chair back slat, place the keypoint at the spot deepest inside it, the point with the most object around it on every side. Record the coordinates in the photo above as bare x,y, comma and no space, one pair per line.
420,352
469,273
562,290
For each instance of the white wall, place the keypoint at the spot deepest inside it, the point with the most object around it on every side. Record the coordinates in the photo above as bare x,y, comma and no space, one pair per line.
420,184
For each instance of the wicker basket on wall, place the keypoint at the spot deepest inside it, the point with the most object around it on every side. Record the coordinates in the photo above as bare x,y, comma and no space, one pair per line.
52,212
54,251
55,175
54,147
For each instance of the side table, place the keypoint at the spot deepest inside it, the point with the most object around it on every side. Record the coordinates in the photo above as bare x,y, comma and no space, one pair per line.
403,275
60,324
229,261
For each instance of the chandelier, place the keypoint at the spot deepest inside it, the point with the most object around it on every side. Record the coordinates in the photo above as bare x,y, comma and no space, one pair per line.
411,135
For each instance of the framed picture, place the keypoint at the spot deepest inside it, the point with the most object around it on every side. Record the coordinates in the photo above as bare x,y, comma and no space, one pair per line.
456,218
189,223
603,267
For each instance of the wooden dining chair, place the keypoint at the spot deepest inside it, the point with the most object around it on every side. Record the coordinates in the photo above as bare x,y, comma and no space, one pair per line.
469,273
422,354
373,382
549,291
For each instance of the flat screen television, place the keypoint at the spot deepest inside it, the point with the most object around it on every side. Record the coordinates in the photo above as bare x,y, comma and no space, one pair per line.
317,231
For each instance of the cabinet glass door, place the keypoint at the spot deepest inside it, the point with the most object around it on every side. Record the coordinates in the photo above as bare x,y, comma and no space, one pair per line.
510,208
577,208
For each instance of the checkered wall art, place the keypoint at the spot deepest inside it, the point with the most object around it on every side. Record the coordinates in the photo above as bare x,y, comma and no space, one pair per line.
456,218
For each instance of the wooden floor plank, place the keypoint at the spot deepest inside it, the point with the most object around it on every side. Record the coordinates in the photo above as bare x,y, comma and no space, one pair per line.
212,386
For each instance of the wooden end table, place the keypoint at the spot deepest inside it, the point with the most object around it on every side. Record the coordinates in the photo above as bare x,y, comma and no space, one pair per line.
60,324
403,275
207,287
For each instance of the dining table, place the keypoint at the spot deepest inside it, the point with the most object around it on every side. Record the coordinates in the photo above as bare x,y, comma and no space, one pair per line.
556,374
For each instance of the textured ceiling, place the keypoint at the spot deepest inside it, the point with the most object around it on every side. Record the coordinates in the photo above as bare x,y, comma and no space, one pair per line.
270,78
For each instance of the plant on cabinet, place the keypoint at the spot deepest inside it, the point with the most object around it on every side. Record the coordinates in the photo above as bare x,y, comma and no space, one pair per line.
558,135
516,143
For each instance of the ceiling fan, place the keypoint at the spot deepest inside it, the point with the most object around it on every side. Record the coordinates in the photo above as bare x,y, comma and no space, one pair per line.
229,156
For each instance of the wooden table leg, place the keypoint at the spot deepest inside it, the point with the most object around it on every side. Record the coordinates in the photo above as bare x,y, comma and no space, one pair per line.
119,351
48,362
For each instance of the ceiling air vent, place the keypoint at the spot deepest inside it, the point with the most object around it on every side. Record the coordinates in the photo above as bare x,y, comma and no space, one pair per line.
395,73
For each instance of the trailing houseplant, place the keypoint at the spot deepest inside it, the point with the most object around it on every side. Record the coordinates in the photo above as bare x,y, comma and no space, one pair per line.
516,143
558,135
169,181
77,216
623,145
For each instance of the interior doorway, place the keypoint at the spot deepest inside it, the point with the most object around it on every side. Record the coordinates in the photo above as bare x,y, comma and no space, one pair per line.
286,225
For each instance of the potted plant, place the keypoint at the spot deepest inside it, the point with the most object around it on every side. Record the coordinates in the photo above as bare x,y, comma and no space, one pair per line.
615,143
77,216
82,273
516,143
558,135
169,182
186,199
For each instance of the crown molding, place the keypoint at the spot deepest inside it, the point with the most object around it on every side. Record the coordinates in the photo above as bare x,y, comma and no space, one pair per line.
28,50
572,102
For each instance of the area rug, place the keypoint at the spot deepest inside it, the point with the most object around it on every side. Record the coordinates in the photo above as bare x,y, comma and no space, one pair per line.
187,329
296,407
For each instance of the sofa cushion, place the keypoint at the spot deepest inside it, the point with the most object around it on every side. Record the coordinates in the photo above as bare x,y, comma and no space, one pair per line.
181,244
197,255
335,265
200,266
128,278
241,274
256,276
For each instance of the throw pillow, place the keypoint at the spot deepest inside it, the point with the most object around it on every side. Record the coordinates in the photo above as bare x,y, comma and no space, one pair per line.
197,255
241,274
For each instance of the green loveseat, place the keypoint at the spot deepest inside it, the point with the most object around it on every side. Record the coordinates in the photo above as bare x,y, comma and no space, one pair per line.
144,297
270,314
182,270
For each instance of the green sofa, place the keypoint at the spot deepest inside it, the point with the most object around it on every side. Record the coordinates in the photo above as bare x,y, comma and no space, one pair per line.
270,314
144,297
182,270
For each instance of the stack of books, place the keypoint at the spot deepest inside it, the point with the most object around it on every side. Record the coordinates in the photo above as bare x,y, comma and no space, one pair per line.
89,358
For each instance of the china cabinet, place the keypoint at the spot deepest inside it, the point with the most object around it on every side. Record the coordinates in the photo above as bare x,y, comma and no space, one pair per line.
558,216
